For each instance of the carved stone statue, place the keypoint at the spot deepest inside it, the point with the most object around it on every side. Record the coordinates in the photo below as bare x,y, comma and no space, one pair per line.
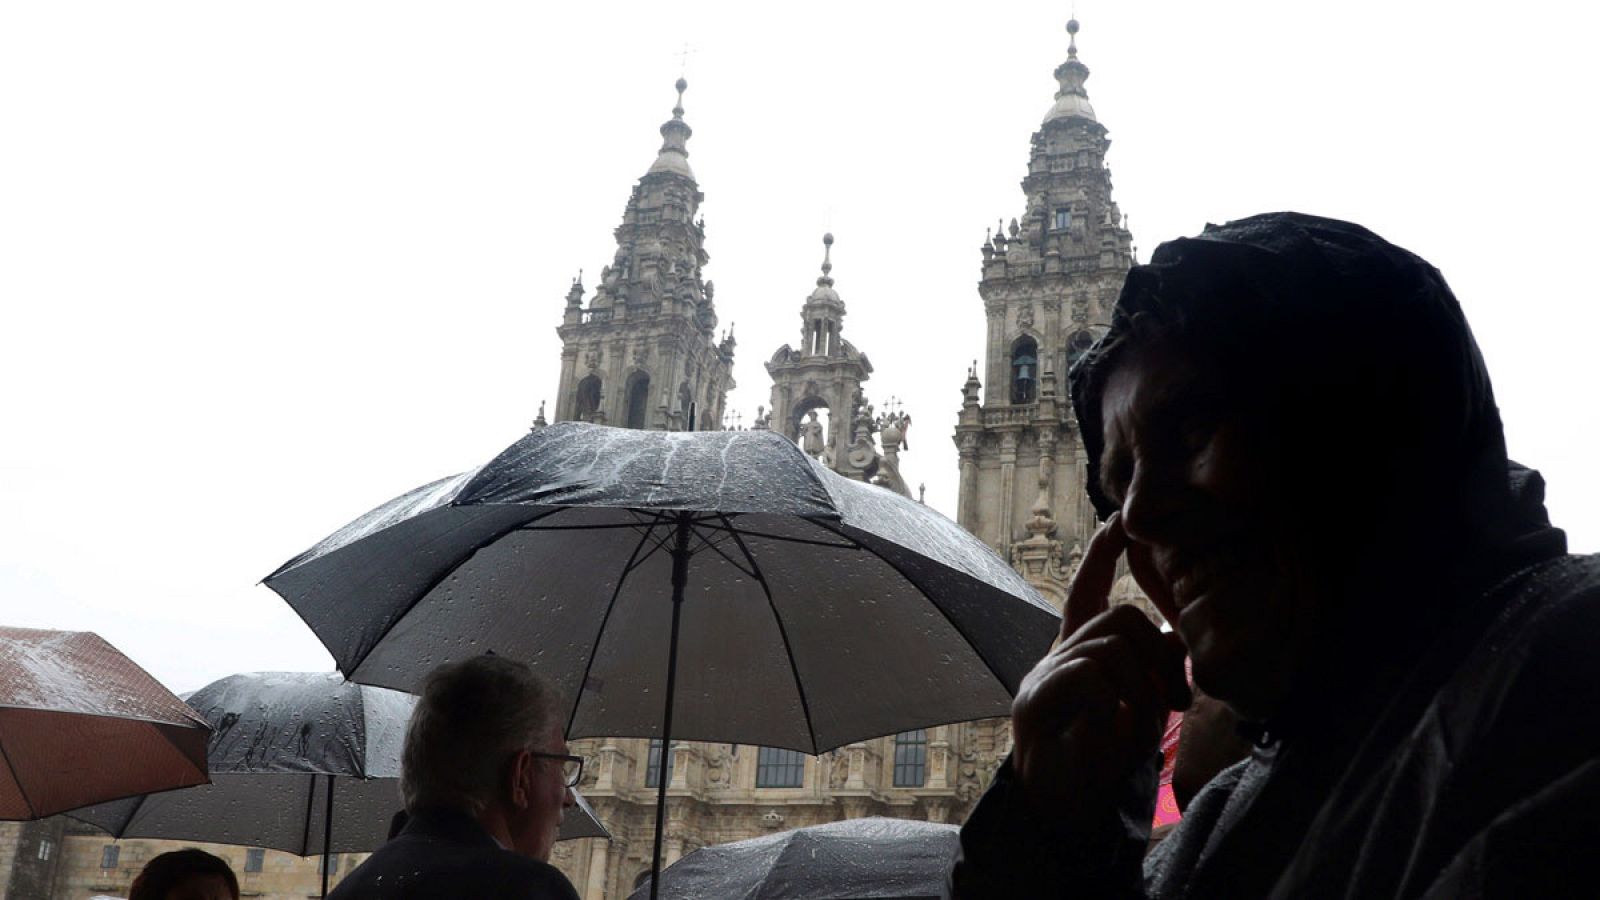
838,771
811,435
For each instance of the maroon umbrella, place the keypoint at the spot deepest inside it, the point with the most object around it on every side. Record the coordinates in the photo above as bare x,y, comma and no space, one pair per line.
80,723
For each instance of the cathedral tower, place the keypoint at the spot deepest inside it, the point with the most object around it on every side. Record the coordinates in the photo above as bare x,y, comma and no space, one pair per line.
642,352
1050,278
825,373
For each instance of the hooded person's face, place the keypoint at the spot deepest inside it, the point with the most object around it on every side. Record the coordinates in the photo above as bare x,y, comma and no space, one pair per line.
1203,497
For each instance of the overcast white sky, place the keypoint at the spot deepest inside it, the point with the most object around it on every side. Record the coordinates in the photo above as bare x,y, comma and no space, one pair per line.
264,266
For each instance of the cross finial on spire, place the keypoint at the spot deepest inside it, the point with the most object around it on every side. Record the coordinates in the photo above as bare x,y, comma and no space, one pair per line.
827,253
682,85
1072,37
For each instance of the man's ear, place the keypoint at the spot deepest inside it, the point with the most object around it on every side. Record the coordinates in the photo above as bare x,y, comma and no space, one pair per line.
521,775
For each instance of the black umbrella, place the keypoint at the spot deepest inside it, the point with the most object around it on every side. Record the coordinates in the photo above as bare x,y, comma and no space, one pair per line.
816,610
856,859
303,762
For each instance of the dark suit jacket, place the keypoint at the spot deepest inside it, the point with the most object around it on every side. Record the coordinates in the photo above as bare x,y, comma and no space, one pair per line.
447,854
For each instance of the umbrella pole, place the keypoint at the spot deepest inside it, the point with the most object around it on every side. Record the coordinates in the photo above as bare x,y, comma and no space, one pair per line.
680,577
327,837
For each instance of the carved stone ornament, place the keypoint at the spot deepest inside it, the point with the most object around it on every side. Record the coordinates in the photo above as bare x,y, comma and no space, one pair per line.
772,820
968,786
838,771
591,358
717,769
1025,317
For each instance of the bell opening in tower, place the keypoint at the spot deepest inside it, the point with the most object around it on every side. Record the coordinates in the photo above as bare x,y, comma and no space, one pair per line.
1024,370
639,400
588,398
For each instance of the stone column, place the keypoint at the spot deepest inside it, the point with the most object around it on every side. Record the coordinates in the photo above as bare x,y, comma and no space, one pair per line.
595,887
615,401
966,512
566,394
606,759
938,758
999,374
1008,489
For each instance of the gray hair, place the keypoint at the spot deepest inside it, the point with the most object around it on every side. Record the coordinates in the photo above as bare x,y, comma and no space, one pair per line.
471,718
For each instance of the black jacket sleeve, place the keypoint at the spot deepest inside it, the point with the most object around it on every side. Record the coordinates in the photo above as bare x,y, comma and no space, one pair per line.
1009,850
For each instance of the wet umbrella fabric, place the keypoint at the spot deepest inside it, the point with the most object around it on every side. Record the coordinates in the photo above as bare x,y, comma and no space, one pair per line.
81,723
857,859
282,740
813,610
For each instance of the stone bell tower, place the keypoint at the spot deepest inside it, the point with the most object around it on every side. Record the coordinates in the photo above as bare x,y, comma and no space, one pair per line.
1050,279
825,373
642,352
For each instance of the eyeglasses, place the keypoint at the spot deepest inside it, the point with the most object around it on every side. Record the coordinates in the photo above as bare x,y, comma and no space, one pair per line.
571,766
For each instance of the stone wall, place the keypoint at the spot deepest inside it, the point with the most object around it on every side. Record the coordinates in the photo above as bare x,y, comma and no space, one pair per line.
75,870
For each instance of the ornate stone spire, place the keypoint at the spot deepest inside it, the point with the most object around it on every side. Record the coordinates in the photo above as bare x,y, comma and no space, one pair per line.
575,293
644,353
1072,99
674,153
825,289
822,316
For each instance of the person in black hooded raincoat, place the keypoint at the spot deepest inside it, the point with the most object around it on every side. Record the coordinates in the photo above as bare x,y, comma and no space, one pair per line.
1292,438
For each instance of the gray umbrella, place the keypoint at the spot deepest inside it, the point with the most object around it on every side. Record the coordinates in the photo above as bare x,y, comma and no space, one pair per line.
281,740
813,610
856,859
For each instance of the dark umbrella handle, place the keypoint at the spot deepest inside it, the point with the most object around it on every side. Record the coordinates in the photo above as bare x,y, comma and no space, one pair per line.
327,837
680,577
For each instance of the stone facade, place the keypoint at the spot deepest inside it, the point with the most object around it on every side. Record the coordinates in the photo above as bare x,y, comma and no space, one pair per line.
715,794
1050,279
83,863
641,352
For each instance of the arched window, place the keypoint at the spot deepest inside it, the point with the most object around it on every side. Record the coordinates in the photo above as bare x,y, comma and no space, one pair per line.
638,400
588,398
911,758
1024,370
1078,345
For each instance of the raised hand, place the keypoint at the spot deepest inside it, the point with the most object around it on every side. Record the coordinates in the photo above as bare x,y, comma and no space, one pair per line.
1094,707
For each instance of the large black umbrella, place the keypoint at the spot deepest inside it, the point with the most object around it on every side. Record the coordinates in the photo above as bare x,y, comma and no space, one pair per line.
856,859
813,610
304,762
81,723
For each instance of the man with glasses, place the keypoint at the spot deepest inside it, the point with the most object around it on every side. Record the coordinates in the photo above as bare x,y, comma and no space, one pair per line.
486,778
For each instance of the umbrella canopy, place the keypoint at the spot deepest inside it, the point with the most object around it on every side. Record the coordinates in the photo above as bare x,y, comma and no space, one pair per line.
282,739
856,859
813,610
81,723
816,610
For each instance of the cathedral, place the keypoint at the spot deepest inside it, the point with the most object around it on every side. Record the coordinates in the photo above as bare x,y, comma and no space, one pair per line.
642,350
1048,280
